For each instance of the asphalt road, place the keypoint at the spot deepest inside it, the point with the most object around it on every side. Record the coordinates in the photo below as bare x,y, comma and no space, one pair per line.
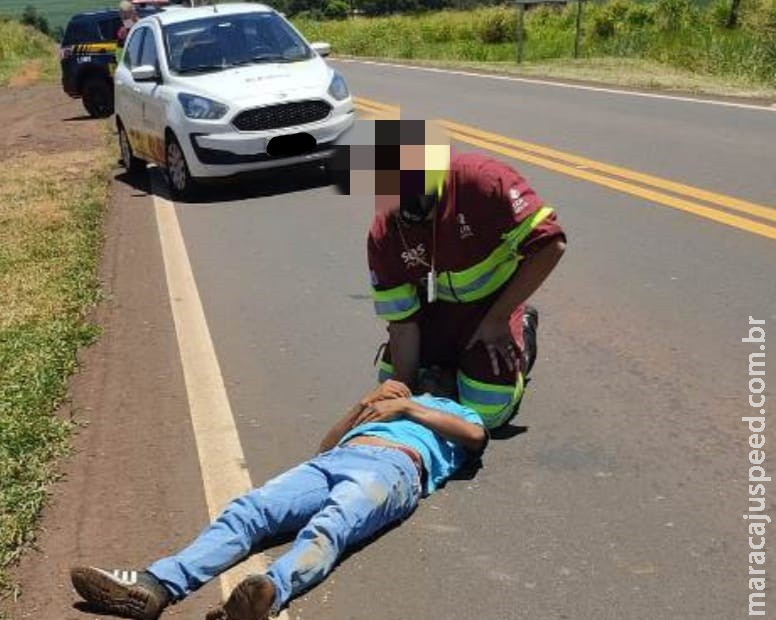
619,493
623,496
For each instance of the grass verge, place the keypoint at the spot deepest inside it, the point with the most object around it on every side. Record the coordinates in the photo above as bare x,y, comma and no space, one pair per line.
51,208
26,55
668,43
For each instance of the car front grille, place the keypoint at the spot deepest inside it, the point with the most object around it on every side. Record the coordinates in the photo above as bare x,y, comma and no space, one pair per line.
282,115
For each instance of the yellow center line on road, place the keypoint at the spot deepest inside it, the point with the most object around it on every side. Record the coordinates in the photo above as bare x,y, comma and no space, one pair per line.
376,106
721,200
721,217
379,111
624,179
222,462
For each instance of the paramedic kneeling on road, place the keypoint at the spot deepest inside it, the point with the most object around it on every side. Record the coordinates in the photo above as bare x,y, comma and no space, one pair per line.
459,242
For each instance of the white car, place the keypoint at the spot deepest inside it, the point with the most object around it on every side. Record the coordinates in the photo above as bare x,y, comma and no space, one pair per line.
225,89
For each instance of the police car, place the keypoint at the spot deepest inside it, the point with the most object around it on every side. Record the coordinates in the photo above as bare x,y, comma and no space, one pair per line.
87,55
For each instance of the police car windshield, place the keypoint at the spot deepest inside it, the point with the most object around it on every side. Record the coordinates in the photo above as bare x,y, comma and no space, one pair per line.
222,41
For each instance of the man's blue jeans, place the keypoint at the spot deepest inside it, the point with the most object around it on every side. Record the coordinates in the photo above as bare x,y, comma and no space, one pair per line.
335,500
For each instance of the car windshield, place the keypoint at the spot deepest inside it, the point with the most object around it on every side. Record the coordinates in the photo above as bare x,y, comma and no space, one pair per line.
222,41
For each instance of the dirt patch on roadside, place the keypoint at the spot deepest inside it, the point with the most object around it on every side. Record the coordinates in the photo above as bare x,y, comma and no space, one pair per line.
29,73
42,119
39,235
132,490
44,159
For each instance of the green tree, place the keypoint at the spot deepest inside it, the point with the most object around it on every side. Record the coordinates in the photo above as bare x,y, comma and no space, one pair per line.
31,17
314,8
336,9
387,7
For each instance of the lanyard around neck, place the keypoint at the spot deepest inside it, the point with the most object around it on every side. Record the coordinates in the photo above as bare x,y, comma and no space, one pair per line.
431,286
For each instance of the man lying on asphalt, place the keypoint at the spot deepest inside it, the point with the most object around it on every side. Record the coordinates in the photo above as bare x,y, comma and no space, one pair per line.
374,465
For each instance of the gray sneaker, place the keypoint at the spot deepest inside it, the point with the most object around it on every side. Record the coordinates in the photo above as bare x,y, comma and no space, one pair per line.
127,593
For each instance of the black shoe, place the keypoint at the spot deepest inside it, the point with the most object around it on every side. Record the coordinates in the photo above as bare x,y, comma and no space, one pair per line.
252,599
127,593
528,357
530,325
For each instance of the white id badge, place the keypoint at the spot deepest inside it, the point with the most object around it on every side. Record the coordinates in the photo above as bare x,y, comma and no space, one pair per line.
432,291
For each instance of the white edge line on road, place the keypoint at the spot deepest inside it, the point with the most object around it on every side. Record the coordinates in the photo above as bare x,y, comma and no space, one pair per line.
222,462
599,89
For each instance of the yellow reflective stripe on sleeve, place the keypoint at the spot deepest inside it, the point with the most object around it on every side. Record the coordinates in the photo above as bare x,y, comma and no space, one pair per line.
518,234
490,274
480,280
397,303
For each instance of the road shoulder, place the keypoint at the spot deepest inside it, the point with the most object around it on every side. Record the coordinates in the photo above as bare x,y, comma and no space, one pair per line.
133,490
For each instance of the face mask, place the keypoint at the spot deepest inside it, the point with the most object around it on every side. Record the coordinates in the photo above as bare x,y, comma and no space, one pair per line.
128,23
415,209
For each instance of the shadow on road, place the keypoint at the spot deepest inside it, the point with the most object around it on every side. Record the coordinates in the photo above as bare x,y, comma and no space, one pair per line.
245,186
507,432
82,117
141,183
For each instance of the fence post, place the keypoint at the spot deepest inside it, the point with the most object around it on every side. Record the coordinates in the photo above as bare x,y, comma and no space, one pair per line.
579,29
520,14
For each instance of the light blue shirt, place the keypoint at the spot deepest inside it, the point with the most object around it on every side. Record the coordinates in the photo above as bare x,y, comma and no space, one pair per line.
441,457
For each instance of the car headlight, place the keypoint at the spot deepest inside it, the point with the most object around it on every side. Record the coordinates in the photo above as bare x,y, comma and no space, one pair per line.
198,107
338,88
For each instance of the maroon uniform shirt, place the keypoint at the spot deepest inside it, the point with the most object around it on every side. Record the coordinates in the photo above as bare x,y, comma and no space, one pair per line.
483,200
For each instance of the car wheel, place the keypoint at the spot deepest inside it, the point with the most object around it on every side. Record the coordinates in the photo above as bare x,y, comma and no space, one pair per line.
177,170
97,96
132,164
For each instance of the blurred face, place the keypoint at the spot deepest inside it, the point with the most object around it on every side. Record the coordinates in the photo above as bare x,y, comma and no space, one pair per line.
402,163
412,156
386,204
402,182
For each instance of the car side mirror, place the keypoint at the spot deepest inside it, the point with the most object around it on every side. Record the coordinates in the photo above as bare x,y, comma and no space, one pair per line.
322,49
145,73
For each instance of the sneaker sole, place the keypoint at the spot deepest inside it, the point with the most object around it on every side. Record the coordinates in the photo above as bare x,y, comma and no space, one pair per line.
246,602
100,589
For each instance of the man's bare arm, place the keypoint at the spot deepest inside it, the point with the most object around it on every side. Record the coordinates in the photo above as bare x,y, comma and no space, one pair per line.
404,343
470,436
494,331
387,390
531,273
342,426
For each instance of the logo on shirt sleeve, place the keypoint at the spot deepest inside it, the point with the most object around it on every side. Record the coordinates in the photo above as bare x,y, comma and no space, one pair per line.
518,202
464,230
